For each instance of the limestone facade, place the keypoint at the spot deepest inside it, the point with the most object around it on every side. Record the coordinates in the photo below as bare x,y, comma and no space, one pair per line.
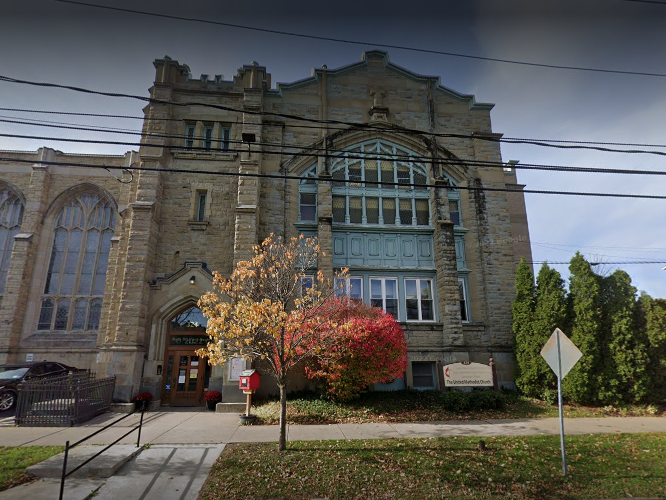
223,164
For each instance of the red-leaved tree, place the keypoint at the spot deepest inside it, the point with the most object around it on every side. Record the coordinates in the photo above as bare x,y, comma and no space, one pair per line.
370,348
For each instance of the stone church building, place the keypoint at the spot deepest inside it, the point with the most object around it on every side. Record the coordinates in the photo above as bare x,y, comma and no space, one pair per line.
399,177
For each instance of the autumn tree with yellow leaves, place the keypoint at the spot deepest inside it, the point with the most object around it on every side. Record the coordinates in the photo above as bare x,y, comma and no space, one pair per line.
276,308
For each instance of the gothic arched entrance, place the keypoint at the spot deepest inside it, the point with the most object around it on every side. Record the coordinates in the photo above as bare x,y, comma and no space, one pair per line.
186,374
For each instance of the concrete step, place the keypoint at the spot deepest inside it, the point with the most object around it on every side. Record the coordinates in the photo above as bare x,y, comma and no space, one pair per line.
230,408
102,466
49,489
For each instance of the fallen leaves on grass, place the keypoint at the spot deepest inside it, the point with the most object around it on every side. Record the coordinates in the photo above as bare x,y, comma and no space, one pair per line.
526,468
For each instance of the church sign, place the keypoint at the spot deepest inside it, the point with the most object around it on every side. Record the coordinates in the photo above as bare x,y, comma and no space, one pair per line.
468,374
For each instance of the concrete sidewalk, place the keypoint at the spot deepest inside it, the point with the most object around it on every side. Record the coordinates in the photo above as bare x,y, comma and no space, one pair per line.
185,443
198,426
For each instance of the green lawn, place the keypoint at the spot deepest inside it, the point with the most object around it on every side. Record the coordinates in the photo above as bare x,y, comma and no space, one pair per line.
600,466
416,406
13,462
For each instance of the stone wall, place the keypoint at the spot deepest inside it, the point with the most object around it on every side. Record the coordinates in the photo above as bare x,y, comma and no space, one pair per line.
158,236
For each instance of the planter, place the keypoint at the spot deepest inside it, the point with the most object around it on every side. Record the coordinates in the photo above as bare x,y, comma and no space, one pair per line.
247,419
211,405
139,405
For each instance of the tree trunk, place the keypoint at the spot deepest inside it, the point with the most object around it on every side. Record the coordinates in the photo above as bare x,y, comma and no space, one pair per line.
283,417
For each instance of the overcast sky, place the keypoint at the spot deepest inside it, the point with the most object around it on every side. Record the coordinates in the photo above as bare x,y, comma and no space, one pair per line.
49,41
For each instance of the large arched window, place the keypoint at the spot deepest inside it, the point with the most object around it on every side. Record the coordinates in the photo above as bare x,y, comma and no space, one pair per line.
364,200
77,269
385,186
11,215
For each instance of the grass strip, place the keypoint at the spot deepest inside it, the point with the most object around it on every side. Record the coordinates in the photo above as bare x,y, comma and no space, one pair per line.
600,466
14,461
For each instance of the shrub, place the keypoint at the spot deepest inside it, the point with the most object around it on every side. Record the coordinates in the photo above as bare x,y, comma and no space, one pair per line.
371,349
143,396
459,401
213,396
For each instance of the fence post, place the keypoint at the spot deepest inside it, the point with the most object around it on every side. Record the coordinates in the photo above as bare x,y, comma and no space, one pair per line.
64,471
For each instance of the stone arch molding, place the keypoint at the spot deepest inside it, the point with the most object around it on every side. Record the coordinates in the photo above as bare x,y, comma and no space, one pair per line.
12,189
347,139
170,295
63,198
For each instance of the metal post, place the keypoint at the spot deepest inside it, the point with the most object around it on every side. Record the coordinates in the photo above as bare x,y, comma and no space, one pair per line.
64,472
559,404
143,410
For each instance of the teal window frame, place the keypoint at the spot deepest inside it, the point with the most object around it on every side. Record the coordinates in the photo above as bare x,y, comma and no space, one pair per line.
465,314
307,186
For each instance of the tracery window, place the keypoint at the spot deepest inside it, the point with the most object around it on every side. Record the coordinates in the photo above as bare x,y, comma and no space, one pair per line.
380,190
11,215
386,185
76,274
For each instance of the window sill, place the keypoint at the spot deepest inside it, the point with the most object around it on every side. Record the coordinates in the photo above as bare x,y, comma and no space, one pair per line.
196,225
380,228
184,154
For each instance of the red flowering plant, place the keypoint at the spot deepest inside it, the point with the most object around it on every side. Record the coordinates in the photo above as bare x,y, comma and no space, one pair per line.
371,349
143,396
213,396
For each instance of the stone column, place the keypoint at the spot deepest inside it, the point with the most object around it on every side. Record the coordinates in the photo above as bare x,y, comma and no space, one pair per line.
448,297
245,234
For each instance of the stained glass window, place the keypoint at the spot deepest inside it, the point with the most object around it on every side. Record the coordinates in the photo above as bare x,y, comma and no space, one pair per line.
77,268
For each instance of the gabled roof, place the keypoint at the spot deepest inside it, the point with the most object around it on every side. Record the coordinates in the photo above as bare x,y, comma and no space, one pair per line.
383,56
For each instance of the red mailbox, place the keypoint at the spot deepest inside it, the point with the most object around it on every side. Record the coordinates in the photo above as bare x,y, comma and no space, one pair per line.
249,380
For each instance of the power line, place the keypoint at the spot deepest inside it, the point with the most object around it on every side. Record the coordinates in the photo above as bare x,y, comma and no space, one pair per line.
346,181
363,126
365,43
180,120
653,249
319,152
624,263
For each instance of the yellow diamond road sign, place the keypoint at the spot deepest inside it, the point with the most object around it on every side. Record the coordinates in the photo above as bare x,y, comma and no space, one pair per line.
568,353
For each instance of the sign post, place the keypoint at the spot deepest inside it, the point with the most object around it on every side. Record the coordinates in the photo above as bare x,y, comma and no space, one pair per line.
561,355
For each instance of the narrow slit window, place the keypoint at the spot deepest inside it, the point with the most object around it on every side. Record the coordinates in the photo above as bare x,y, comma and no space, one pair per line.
201,206
189,136
208,137
226,138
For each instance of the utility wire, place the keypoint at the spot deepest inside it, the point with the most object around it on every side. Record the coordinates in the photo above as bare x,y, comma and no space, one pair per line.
629,262
337,154
365,43
360,126
652,249
346,181
312,127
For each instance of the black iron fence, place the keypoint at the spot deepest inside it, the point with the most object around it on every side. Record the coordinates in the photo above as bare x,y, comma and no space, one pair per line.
63,401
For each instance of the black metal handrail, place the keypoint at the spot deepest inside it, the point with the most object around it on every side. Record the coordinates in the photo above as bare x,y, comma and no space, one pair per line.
68,447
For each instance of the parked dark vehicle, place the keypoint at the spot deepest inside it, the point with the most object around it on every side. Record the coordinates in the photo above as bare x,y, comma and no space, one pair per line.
12,375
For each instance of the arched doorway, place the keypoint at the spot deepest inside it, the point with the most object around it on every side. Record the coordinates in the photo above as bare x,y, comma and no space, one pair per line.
187,374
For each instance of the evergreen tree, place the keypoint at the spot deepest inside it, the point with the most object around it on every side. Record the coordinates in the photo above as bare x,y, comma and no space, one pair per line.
527,377
653,313
580,385
622,376
550,313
